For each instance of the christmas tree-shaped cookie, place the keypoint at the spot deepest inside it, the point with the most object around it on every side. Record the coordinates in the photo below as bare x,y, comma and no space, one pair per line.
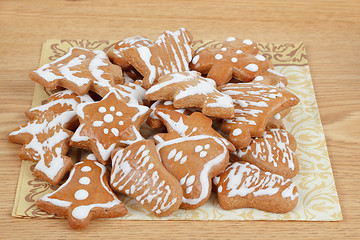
84,196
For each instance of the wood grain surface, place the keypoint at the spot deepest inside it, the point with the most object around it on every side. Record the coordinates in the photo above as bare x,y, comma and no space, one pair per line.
330,30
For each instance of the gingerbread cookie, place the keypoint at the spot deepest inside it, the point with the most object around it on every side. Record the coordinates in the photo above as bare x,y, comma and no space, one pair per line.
154,122
45,140
271,77
137,172
181,125
194,161
238,59
59,102
189,89
116,55
84,196
132,93
273,152
79,70
255,105
170,53
244,185
108,124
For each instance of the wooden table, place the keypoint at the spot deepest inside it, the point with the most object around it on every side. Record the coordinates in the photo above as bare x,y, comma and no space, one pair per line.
330,30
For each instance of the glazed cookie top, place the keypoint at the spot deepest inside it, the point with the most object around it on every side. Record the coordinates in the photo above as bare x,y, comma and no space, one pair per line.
181,125
242,179
189,89
79,70
254,104
171,52
85,192
59,102
238,59
138,172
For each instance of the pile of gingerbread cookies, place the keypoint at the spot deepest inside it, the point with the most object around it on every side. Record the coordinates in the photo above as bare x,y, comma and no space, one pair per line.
216,114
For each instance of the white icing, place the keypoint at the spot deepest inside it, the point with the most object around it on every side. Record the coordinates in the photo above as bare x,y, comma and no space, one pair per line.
84,181
237,132
248,42
260,57
102,109
108,118
230,39
86,169
239,51
234,59
198,148
195,59
81,194
252,67
218,56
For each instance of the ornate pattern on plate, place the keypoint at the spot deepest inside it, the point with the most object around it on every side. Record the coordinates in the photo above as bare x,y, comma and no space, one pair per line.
318,200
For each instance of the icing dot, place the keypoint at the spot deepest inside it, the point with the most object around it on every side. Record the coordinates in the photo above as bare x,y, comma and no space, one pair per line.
237,132
112,108
102,109
195,59
86,169
230,39
277,116
218,56
207,146
219,190
203,153
108,118
259,78
119,114
190,180
198,148
260,57
81,194
172,153
97,123
106,131
223,49
248,42
239,51
121,123
183,160
151,166
178,156
115,131
189,189
252,67
234,60
84,180
166,103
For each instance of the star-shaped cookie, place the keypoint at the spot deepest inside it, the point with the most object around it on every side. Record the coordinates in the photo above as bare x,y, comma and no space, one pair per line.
181,125
108,124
